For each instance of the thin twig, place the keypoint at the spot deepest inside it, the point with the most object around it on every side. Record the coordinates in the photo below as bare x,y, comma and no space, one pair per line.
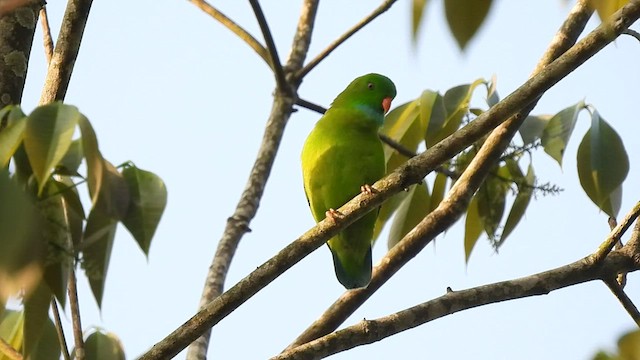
369,331
59,330
235,28
46,34
396,146
624,299
311,106
455,203
377,12
406,175
7,350
247,207
615,234
75,315
271,46
633,33
66,51
621,278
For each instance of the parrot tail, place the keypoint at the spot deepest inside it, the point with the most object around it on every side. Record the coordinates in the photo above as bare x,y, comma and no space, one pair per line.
357,275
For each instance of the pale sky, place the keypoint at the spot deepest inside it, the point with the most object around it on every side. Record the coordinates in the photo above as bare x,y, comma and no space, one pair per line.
170,89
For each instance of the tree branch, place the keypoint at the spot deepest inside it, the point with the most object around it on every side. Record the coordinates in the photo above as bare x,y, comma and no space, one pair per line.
59,330
386,5
311,106
238,223
633,33
271,46
615,234
410,173
235,28
16,38
75,315
66,51
7,350
369,331
46,34
626,302
456,202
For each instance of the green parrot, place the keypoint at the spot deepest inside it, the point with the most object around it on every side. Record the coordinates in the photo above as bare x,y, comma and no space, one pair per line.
341,157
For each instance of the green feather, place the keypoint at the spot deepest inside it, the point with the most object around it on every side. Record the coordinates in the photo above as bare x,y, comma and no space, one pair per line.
342,153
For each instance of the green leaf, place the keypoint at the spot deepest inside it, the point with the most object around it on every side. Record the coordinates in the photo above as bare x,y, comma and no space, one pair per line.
95,163
603,163
10,139
606,8
147,203
11,329
48,346
71,161
57,226
520,204
412,210
19,230
629,345
48,136
558,130
533,127
103,346
386,212
465,17
114,193
472,228
96,250
492,93
402,125
456,106
36,315
417,13
491,200
439,189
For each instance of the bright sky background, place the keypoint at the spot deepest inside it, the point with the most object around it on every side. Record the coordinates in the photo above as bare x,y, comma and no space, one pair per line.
172,90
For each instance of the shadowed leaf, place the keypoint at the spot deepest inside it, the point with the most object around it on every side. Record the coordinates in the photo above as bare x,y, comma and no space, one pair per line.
412,210
465,17
556,134
417,14
102,345
10,139
521,202
48,136
96,250
147,202
603,164
472,228
95,163
36,316
533,127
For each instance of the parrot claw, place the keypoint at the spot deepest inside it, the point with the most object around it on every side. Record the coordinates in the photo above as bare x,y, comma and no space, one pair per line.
334,215
367,189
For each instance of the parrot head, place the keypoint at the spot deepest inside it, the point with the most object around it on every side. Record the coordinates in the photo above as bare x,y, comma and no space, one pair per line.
371,93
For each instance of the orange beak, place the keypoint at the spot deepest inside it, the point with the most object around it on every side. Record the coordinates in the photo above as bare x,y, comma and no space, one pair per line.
386,104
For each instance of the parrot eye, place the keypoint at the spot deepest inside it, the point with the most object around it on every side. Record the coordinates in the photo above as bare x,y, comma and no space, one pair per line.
370,86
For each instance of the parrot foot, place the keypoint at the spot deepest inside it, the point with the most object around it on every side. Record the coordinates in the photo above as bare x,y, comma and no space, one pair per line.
367,189
334,215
